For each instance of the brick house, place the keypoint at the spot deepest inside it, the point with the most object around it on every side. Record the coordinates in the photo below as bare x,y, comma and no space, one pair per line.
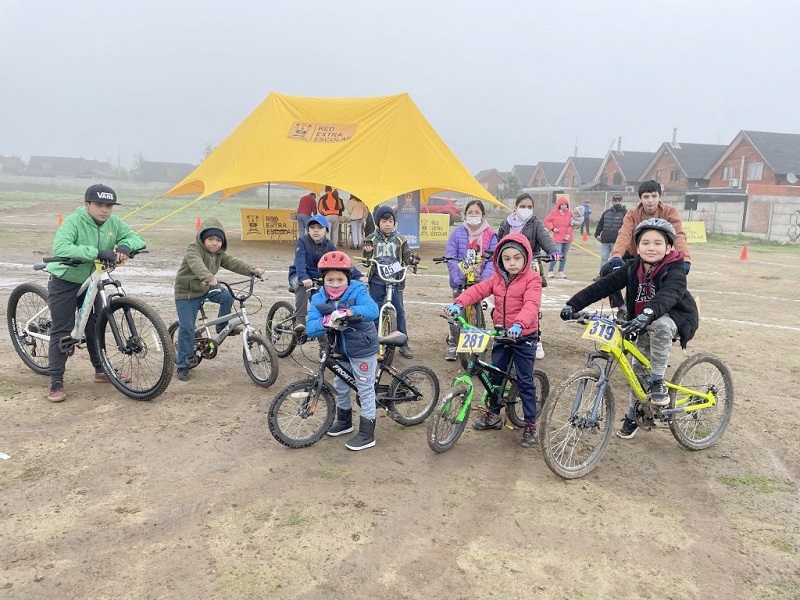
545,174
756,157
523,173
491,179
64,166
621,169
682,166
579,171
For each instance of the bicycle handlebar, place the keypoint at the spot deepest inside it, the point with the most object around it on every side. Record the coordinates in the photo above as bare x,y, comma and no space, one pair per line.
244,295
74,262
367,262
496,333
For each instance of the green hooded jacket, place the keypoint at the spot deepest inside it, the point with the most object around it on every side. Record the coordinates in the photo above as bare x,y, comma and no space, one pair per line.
81,237
199,266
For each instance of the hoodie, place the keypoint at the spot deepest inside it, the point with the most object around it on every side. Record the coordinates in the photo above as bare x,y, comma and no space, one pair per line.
558,223
517,298
199,266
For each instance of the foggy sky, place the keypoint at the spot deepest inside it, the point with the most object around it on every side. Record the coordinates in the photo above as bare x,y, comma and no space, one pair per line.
503,82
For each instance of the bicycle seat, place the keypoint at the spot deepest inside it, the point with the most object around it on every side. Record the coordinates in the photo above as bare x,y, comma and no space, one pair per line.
396,338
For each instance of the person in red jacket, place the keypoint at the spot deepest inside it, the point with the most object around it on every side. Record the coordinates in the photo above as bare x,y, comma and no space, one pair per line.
517,293
559,222
306,208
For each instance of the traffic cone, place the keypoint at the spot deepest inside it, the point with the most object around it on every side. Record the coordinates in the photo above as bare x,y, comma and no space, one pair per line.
585,237
197,224
744,253
60,219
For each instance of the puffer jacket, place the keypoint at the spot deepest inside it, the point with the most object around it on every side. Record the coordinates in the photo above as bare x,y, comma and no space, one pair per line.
360,338
610,223
559,225
517,298
81,237
457,247
199,266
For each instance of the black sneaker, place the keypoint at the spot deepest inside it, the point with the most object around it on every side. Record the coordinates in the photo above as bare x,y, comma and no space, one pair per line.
529,435
488,420
406,352
659,394
628,429
451,353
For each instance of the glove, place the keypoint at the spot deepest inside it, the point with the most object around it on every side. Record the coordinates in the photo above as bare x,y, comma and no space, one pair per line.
453,309
638,324
687,267
556,255
124,250
107,257
338,315
567,313
414,258
514,331
616,262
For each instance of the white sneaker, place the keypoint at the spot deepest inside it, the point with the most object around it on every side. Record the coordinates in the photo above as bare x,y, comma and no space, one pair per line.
539,351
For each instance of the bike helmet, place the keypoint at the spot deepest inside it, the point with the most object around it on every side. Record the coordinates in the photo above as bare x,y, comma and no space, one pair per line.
656,224
335,261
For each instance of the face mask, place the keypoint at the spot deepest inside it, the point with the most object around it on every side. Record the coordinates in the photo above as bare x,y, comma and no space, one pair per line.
335,291
562,208
524,213
473,221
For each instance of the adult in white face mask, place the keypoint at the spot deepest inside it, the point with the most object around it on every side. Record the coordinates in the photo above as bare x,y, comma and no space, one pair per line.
468,243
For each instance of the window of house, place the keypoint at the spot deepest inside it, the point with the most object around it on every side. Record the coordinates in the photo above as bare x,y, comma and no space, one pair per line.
617,178
658,176
755,171
604,177
673,175
728,172
574,181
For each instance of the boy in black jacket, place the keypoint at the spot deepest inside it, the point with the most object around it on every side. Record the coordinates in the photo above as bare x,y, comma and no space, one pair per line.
657,299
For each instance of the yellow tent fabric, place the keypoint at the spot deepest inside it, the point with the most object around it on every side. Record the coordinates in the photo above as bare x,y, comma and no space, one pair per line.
374,148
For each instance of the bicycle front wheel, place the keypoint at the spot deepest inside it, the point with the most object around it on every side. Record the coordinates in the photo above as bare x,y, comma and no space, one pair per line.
699,429
140,362
387,325
280,326
29,318
297,418
541,385
446,426
263,368
573,440
413,395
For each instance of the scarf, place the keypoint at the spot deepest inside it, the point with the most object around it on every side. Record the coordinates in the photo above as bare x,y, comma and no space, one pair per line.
515,223
475,237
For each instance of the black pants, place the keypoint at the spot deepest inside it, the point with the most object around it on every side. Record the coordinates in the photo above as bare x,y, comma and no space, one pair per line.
615,299
63,302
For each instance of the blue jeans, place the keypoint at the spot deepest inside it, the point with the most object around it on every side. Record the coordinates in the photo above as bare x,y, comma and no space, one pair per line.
365,382
562,247
302,225
605,252
187,319
377,291
523,353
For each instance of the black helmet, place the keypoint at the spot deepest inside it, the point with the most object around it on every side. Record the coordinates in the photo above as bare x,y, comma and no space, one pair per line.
656,224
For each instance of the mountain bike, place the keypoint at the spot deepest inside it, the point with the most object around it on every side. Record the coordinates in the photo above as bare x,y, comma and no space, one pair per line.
577,420
450,421
281,320
259,357
304,411
132,341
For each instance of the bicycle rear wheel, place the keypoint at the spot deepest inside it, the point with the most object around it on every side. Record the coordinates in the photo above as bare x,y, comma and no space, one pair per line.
142,367
387,325
541,384
263,369
280,326
445,428
702,428
297,419
572,441
415,391
28,314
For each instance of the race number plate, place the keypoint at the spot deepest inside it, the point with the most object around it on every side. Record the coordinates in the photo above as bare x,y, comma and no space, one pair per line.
388,271
470,340
605,333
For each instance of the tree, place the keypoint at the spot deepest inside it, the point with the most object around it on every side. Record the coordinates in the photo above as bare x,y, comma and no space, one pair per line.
208,149
13,164
511,189
136,171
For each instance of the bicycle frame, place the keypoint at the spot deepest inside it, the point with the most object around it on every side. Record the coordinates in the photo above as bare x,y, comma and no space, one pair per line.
391,284
240,318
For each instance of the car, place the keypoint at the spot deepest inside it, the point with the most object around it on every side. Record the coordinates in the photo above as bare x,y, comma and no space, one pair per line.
442,206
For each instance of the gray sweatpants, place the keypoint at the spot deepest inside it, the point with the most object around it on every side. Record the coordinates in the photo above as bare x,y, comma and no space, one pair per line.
655,343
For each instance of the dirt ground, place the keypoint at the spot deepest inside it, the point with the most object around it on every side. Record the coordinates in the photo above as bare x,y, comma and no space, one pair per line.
188,496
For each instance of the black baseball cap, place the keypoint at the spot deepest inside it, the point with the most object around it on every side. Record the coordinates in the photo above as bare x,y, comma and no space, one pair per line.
100,193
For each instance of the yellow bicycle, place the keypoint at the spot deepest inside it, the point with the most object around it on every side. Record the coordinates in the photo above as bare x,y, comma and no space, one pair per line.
577,420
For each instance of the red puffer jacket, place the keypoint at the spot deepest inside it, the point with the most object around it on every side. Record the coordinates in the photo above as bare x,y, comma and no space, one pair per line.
517,298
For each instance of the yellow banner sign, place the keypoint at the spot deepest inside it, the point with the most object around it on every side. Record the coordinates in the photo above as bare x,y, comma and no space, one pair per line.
321,133
434,228
268,224
695,232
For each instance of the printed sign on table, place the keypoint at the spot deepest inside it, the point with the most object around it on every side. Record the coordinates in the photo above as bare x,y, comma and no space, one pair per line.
434,228
262,224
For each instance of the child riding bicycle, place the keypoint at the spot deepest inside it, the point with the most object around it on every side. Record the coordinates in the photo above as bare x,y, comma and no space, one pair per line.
344,304
657,301
518,296
196,281
90,232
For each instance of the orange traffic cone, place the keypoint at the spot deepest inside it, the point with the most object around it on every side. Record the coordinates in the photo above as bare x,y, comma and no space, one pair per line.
197,224
744,253
585,237
60,219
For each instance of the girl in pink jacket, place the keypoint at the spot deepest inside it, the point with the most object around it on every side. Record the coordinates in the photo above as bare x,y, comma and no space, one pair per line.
558,223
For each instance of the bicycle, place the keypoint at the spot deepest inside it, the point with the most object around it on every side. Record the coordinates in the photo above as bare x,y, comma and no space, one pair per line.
259,357
450,421
281,320
577,421
304,411
132,341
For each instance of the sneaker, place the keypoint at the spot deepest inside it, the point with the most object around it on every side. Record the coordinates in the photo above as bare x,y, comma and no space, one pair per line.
300,328
562,275
451,353
488,420
659,394
101,377
550,275
628,429
539,351
529,435
183,373
406,352
56,393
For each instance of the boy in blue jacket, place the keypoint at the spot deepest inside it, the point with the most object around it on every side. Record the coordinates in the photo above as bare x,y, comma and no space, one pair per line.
345,305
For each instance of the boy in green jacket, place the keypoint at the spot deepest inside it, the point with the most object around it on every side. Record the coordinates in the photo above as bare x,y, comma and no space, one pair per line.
196,283
90,232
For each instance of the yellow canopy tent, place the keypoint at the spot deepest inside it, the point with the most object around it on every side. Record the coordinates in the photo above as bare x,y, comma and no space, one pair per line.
375,148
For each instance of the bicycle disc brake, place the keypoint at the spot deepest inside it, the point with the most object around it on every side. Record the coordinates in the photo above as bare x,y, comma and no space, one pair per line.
206,348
